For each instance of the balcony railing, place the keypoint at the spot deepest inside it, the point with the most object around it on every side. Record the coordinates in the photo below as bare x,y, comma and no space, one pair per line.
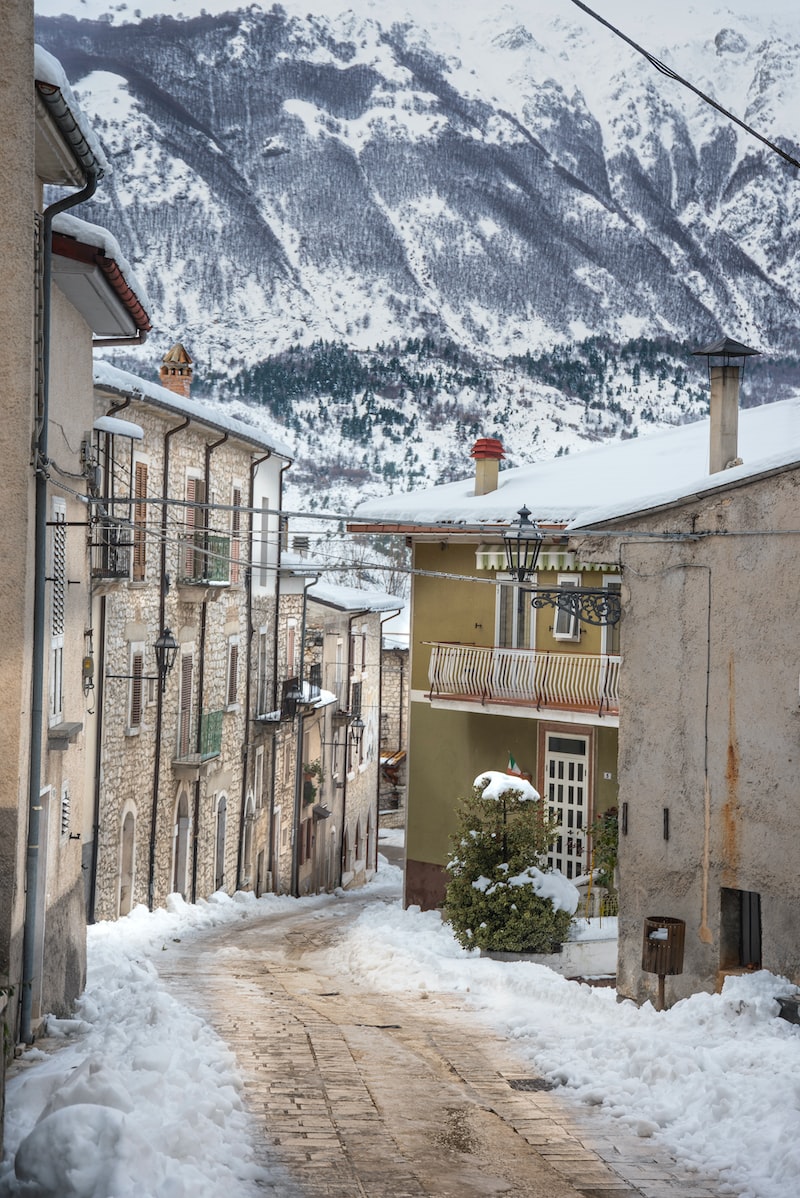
111,551
569,681
204,559
187,753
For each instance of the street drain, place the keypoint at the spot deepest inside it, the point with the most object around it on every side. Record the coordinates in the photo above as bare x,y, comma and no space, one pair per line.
530,1083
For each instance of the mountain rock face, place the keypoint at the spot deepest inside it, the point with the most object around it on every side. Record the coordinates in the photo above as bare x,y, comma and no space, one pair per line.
279,179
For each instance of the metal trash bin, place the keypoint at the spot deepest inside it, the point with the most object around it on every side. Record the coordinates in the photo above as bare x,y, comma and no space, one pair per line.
662,949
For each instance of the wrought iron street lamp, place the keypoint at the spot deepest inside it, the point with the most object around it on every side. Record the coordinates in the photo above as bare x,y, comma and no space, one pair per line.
166,648
523,542
591,605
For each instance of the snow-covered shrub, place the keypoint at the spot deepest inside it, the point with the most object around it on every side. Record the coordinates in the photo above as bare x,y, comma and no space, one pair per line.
500,896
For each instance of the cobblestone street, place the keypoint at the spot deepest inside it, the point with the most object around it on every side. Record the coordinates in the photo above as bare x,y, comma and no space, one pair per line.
394,1096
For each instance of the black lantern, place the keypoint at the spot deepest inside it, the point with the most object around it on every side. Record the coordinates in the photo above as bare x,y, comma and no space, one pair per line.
591,605
166,648
357,726
523,542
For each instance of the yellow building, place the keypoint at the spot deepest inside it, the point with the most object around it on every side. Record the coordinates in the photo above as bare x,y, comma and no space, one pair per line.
495,680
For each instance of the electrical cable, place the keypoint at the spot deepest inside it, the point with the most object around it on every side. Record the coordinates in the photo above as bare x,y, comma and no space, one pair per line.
668,71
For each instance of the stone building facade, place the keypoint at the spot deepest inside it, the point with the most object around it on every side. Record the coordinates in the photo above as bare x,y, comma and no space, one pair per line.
328,740
395,680
184,766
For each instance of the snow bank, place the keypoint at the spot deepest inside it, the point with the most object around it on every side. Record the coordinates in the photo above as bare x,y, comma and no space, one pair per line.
714,1079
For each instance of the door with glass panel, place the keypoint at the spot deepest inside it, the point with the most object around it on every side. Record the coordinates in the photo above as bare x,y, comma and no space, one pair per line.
566,780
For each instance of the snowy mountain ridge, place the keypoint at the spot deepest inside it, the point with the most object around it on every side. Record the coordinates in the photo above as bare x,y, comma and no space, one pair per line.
505,182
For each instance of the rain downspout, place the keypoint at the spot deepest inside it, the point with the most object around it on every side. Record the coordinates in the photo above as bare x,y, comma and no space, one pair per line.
162,603
38,633
248,670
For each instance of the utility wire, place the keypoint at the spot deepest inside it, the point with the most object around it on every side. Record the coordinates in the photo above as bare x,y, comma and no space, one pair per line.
668,71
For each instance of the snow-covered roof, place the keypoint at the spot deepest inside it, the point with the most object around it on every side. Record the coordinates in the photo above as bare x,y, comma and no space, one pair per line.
353,599
114,379
95,235
49,71
604,481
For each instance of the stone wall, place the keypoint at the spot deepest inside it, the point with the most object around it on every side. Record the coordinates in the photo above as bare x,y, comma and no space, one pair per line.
187,798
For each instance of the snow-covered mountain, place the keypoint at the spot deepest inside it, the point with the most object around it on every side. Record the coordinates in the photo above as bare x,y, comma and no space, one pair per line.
505,180
279,178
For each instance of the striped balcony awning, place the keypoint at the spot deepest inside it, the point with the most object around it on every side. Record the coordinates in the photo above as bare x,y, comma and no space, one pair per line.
493,557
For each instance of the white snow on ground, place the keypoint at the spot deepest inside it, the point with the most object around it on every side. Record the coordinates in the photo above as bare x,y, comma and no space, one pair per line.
144,1099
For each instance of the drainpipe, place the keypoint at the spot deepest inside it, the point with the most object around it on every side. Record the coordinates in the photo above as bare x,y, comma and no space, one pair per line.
162,604
39,619
384,619
98,760
248,670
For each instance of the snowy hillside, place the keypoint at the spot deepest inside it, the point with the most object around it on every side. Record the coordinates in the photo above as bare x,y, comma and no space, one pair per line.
505,181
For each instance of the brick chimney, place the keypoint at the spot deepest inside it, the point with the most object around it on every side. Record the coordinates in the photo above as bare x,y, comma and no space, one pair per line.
488,454
725,368
176,371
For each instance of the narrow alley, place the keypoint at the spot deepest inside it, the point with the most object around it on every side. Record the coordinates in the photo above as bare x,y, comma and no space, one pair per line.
393,1096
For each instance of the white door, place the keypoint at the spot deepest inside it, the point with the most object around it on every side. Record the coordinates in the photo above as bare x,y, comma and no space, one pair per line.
566,773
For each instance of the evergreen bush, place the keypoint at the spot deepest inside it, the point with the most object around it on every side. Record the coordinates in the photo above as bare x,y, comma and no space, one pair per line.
500,896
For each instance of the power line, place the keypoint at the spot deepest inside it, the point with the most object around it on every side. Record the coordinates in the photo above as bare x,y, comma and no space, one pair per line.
668,71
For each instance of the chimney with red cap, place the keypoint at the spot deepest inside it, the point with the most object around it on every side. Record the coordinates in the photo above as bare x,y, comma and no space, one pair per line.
488,454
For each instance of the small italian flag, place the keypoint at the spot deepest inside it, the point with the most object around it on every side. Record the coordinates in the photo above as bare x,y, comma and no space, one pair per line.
513,768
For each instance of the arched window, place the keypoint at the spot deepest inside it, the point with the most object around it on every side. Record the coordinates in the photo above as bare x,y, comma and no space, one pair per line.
180,845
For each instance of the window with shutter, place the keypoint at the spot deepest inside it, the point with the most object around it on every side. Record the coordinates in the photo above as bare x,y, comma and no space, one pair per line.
236,531
137,688
58,595
567,626
233,671
140,522
185,709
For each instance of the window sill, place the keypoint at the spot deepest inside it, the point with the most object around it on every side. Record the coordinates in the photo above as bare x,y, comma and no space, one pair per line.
132,731
232,707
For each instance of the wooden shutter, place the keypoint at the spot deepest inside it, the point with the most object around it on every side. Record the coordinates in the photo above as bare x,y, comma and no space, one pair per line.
140,522
185,710
233,672
236,530
137,669
58,604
